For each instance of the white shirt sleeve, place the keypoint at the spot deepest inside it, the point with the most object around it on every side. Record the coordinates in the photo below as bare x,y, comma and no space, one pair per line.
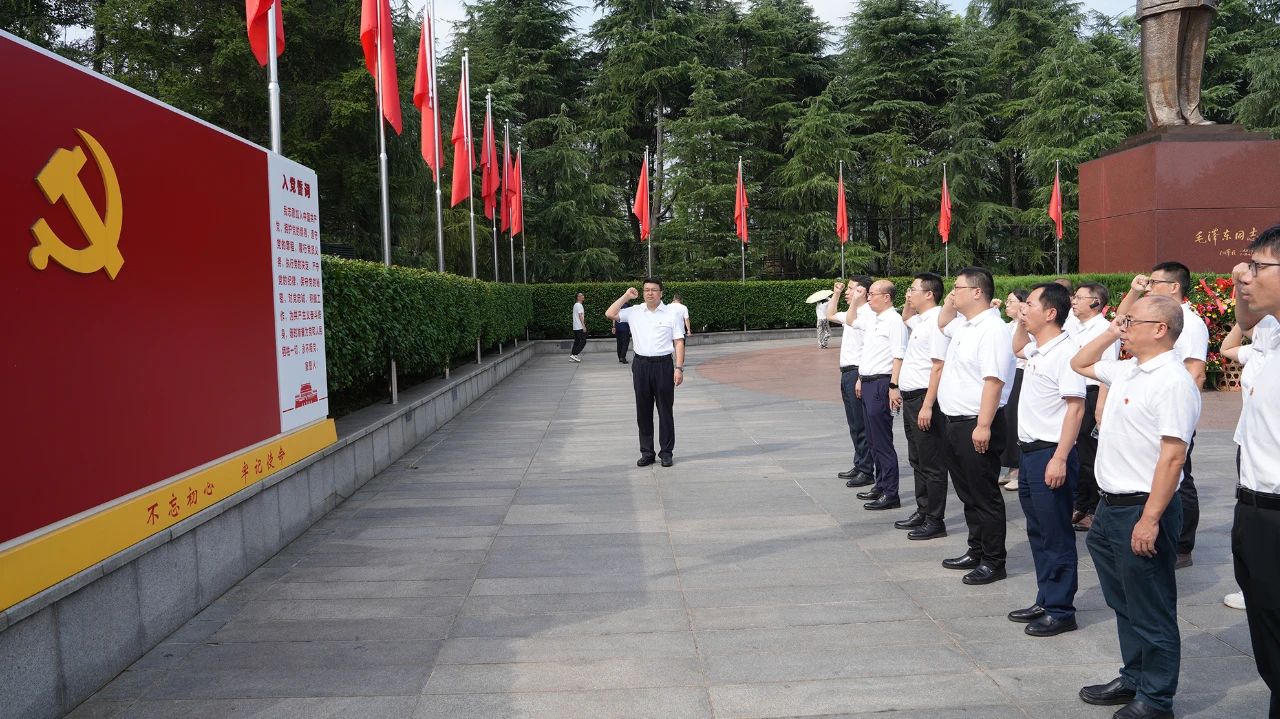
1246,354
841,317
1108,370
898,339
938,349
1071,383
677,331
625,312
1178,410
997,357
1193,343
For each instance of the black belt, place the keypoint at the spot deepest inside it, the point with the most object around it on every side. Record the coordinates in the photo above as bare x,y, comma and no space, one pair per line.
657,358
874,377
848,368
962,418
913,393
1036,446
1261,500
1133,499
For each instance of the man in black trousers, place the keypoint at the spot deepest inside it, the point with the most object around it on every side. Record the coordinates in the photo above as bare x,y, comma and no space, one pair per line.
622,333
921,420
658,334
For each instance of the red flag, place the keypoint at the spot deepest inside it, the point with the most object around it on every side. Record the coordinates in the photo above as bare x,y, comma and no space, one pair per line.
1055,204
641,206
255,16
740,207
842,213
424,96
463,160
508,182
489,180
944,216
375,36
517,207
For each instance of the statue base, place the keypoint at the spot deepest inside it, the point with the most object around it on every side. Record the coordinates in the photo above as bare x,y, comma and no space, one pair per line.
1195,194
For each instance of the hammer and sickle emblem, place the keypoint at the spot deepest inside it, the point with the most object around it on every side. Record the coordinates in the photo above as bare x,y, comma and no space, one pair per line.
60,179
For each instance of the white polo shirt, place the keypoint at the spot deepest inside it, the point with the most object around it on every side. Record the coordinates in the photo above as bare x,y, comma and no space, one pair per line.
1019,362
1146,402
1260,420
1193,343
980,348
653,333
885,340
1047,382
680,309
917,360
578,316
822,310
1087,332
852,337
1073,324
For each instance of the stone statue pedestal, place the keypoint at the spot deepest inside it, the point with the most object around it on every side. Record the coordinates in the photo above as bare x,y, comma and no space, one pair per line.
1195,194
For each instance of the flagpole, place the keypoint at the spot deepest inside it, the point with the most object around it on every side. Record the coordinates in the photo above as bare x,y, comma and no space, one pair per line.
471,160
1057,260
435,97
502,195
946,246
273,77
382,168
744,221
524,236
842,239
488,109
648,245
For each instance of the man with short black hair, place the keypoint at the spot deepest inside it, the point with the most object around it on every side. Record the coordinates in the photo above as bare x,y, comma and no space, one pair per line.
863,470
677,304
579,328
883,344
658,335
977,377
1087,306
1173,279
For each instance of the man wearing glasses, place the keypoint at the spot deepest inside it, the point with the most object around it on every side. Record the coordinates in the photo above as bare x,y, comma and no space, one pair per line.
1087,305
1151,412
977,377
1173,279
863,470
658,333
1255,535
884,342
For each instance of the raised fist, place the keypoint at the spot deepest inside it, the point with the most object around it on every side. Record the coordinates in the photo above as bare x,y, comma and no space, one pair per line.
1141,283
631,293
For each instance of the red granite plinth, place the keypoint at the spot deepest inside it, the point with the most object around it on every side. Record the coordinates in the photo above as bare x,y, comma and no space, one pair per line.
1197,195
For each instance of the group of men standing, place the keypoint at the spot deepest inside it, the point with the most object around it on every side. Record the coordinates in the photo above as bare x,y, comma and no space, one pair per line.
1105,444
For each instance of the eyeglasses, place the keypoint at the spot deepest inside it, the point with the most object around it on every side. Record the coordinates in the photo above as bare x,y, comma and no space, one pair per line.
966,287
1154,281
1255,265
1128,322
1084,298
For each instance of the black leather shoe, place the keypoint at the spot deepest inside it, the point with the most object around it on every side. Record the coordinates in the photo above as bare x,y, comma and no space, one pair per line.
984,574
1048,626
850,474
1109,694
872,494
1141,710
964,561
666,461
623,360
915,520
644,461
1030,614
861,479
931,529
883,503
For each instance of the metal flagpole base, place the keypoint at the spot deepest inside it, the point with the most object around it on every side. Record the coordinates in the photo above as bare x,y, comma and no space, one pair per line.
395,392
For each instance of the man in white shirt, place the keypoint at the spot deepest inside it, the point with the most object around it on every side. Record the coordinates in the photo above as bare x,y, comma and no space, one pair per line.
1255,535
1087,305
658,335
1151,413
1049,412
678,305
579,328
918,381
863,470
1173,279
977,377
883,345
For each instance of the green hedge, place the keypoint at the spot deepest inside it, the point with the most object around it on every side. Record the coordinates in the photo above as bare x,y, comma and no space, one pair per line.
426,320
721,306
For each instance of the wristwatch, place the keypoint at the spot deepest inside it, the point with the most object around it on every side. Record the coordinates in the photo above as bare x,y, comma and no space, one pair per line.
680,367
892,386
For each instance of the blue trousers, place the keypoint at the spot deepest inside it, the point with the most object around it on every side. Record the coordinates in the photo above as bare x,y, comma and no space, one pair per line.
1053,541
875,399
855,416
1144,595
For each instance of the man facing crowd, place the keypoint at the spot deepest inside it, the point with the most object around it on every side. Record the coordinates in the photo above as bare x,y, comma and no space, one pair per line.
658,368
883,344
855,294
1151,412
977,377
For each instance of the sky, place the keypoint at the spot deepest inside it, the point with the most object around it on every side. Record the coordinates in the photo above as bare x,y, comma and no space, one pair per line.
832,12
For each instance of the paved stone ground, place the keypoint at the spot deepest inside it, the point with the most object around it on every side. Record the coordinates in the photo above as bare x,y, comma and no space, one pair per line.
518,564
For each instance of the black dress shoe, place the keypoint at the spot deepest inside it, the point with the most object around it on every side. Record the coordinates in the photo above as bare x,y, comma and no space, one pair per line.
1030,614
861,479
1141,710
871,494
623,360
1048,626
964,561
1109,694
883,502
665,461
984,574
644,461
850,474
915,520
931,529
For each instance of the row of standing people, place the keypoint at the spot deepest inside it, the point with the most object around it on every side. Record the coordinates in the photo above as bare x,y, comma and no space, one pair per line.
950,364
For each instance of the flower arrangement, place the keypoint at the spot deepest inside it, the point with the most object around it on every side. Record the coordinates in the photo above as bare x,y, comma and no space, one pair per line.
1214,299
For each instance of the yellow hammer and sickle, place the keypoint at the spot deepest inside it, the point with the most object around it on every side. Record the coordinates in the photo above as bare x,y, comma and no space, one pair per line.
60,179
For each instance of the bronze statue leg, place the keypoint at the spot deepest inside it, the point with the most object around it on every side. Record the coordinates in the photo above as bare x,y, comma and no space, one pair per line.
1160,45
1195,35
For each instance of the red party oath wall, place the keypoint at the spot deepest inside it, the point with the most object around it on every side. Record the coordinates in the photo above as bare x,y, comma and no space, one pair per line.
110,386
